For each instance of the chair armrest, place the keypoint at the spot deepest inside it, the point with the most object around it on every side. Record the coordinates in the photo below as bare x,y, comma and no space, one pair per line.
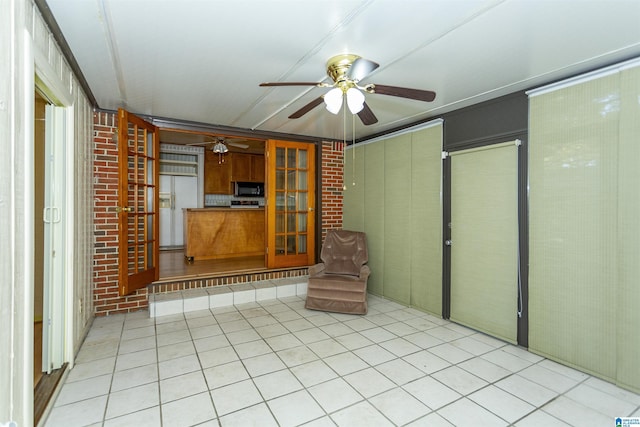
316,269
364,272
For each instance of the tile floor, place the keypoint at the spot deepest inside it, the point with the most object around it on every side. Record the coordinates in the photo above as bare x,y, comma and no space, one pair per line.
273,363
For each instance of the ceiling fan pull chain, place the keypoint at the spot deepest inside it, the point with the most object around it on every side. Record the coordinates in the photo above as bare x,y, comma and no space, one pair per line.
344,140
353,146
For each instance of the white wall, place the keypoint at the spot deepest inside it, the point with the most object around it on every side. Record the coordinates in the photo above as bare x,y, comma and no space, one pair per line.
27,48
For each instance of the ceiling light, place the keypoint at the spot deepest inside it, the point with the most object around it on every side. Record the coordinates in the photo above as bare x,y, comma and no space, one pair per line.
355,100
220,148
333,100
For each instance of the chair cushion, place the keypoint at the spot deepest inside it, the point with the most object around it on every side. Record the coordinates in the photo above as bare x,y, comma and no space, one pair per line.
344,252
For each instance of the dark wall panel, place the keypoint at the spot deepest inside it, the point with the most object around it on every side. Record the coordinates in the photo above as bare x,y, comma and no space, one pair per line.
483,123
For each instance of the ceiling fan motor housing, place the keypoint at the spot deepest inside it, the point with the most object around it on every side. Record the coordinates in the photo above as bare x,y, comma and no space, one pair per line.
337,67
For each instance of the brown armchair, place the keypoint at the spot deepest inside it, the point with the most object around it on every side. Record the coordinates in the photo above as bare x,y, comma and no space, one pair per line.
339,282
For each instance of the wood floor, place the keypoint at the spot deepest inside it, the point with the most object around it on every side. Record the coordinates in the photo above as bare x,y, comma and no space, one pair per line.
173,265
37,352
43,391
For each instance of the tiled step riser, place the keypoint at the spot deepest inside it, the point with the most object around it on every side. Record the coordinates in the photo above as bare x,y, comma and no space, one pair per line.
223,296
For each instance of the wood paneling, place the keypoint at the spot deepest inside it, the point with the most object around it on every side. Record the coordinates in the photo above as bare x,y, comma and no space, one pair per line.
215,233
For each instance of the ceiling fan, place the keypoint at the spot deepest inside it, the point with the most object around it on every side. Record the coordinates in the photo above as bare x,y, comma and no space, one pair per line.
220,143
346,71
219,146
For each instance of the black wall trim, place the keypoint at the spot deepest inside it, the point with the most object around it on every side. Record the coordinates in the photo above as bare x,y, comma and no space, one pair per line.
484,123
523,225
446,235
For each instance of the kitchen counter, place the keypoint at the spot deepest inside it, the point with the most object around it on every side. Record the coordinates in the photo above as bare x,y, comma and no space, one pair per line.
223,232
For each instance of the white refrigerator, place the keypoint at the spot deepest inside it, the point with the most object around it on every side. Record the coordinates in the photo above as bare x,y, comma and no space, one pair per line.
176,193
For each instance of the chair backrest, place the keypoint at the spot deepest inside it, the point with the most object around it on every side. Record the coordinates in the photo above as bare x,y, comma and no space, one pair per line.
344,252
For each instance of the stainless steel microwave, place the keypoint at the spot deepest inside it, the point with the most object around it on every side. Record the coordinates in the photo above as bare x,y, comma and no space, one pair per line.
249,189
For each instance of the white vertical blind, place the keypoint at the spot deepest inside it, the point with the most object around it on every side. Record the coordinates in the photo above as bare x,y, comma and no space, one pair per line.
484,234
55,244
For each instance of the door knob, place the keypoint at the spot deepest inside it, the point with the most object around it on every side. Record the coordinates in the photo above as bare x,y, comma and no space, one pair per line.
448,242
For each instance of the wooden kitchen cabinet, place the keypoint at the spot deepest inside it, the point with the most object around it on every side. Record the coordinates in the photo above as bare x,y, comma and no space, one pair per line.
217,176
247,167
257,169
240,167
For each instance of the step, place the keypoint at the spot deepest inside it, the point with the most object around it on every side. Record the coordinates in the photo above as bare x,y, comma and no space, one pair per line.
169,303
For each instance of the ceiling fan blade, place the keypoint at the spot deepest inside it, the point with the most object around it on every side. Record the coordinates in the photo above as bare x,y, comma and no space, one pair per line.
361,68
199,143
367,116
304,110
273,84
237,144
403,92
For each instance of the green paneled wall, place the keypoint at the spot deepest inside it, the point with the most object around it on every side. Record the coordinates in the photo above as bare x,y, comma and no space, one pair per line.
353,201
398,203
397,219
374,214
426,218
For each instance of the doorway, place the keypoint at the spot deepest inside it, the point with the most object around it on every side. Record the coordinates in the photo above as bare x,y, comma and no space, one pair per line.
38,256
484,239
284,171
49,139
194,174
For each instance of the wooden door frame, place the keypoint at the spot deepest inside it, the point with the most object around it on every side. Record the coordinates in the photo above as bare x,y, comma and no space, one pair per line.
128,283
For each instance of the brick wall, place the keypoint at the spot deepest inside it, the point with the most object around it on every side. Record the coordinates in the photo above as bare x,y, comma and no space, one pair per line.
105,255
105,258
332,184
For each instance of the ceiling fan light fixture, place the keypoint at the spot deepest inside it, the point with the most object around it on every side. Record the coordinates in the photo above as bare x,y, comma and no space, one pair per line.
355,100
333,100
220,148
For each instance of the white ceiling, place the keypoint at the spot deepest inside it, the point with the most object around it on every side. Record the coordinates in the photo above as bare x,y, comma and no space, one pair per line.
202,61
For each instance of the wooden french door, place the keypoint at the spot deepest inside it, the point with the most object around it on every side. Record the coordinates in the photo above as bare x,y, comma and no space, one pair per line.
138,148
291,199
